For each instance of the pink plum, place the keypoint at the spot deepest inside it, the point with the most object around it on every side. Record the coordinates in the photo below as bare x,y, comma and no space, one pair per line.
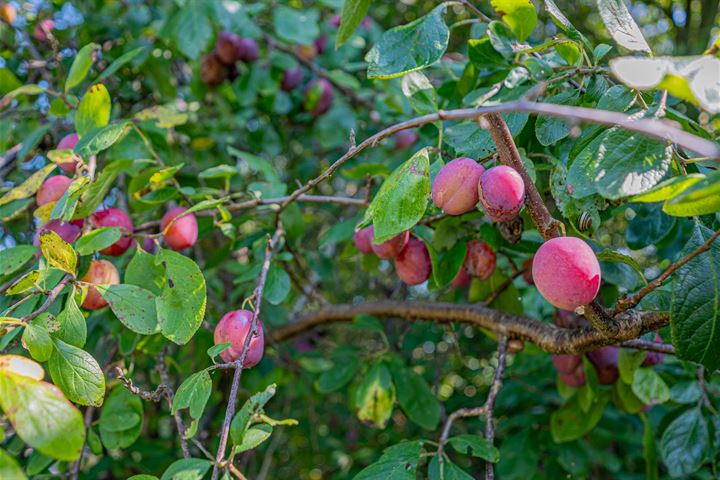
605,360
318,97
455,187
413,264
234,327
114,217
462,279
502,192
248,50
654,358
390,248
52,189
363,239
68,142
405,139
480,259
292,77
68,231
101,272
183,233
566,272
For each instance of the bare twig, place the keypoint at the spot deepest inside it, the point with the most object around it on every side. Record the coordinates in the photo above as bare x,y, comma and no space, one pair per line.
49,300
232,400
632,301
640,344
149,396
169,394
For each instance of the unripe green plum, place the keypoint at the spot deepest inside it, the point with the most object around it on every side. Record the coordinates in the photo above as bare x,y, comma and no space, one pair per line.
114,217
390,248
101,272
480,259
52,189
413,264
566,272
605,361
182,233
234,327
363,239
455,187
318,97
502,193
68,142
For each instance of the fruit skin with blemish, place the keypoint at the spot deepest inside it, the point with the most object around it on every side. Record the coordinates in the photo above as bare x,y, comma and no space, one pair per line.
413,264
454,189
52,189
234,327
101,272
502,192
480,259
566,272
183,232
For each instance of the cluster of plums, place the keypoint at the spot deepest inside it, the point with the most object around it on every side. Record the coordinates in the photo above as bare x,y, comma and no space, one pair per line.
178,236
230,48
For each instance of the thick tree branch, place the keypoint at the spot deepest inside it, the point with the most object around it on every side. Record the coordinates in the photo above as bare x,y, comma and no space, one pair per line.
545,335
232,400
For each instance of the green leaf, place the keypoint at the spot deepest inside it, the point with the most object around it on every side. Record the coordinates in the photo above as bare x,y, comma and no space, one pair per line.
420,93
220,171
187,469
216,350
415,397
446,470
685,443
253,405
650,387
29,186
628,362
181,303
695,311
145,272
193,393
133,306
700,198
398,462
64,209
101,139
469,140
621,26
410,47
475,445
344,369
625,399
121,404
693,79
97,190
254,436
192,29
564,24
353,13
120,62
41,416
549,130
58,252
93,111
77,374
13,258
81,65
277,285
296,26
37,340
401,201
375,396
686,392
9,468
649,450
97,240
73,328
669,189
520,15
32,141
608,255
570,422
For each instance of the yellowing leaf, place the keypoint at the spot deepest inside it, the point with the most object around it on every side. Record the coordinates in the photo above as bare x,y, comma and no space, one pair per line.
58,252
520,15
29,186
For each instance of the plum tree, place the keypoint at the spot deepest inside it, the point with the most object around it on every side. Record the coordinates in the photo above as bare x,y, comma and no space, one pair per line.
183,232
52,189
68,231
390,248
291,79
480,259
363,239
318,97
605,361
234,328
502,193
100,272
227,47
566,272
114,217
213,71
68,142
413,264
455,187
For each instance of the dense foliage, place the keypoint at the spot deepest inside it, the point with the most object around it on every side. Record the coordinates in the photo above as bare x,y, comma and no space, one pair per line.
359,239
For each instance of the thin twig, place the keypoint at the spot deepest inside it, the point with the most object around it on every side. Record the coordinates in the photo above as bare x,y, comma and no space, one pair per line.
169,394
49,300
640,344
492,397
